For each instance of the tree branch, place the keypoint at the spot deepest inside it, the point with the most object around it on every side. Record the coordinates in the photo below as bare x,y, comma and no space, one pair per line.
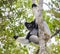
57,31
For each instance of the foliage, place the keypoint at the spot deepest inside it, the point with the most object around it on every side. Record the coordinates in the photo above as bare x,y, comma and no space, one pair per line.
13,14
52,17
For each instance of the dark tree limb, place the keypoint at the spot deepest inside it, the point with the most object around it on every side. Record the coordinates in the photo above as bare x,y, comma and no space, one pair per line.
57,31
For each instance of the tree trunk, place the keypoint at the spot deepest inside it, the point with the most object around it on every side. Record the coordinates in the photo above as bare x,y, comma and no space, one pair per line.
39,20
42,42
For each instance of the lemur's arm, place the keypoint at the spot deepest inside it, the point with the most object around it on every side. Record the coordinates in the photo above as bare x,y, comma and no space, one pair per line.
28,36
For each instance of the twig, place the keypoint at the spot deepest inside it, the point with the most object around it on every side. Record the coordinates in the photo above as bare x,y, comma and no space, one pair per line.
57,31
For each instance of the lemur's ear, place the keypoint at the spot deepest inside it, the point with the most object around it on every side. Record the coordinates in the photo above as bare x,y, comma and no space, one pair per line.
34,5
34,22
26,23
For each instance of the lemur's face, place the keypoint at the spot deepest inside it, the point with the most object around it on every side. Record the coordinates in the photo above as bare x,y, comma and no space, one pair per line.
30,25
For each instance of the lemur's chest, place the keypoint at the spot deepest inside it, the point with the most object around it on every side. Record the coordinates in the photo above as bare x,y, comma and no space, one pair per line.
34,32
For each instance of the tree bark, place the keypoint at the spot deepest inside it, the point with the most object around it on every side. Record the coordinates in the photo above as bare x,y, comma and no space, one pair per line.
39,20
42,42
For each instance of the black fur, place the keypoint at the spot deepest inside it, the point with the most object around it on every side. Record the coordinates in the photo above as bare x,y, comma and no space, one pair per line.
28,35
15,37
30,26
34,5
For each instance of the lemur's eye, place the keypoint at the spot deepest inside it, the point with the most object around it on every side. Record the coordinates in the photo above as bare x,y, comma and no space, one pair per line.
29,25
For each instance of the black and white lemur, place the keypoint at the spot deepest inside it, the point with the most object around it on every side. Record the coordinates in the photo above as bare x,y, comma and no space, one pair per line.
32,35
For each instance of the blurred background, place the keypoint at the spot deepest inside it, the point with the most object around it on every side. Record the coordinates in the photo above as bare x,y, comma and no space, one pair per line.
13,14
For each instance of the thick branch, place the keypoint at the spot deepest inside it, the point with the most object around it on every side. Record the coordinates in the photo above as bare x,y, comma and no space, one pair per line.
37,10
42,42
